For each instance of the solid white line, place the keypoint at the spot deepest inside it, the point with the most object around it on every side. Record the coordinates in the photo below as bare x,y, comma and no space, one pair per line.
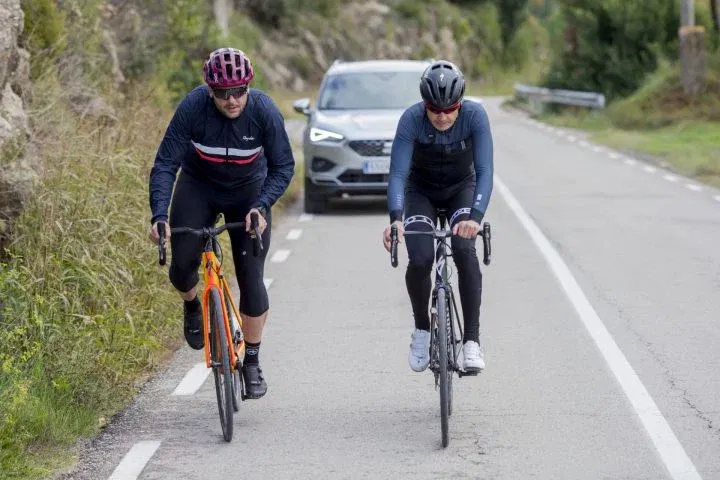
294,234
649,169
267,282
670,178
694,188
671,451
305,217
280,256
135,460
193,380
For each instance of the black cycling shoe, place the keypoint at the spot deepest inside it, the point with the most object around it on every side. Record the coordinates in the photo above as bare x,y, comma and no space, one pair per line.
255,386
193,329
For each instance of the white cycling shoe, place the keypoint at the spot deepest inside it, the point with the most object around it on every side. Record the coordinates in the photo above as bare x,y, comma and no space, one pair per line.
419,356
473,358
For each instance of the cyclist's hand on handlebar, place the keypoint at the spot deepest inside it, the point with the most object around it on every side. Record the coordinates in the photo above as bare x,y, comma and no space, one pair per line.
386,234
467,229
262,224
155,236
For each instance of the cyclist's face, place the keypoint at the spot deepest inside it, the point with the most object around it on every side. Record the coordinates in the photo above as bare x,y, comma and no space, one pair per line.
442,121
233,105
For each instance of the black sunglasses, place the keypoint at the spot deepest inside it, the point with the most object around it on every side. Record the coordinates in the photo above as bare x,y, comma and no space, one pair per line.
226,93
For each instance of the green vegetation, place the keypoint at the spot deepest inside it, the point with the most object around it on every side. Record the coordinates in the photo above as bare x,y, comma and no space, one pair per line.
661,121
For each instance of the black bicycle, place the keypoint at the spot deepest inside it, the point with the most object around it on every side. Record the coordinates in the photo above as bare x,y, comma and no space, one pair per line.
446,331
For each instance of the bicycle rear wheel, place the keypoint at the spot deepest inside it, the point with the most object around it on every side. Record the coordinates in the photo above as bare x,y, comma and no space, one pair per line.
237,380
220,357
443,364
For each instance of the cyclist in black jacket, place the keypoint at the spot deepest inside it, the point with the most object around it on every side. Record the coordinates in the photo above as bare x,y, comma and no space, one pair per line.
236,158
442,156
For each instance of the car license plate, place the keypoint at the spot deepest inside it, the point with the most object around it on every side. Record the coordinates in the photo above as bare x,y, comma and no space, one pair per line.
377,166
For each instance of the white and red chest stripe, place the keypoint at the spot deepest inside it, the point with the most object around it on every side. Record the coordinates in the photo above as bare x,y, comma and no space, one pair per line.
226,155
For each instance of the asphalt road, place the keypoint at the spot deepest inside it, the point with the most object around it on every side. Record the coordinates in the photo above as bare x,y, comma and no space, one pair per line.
600,325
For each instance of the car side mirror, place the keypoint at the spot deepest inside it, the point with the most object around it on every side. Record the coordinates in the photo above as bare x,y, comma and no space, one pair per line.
302,105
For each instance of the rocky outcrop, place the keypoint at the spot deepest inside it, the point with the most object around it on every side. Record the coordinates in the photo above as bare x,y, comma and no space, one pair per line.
16,174
361,30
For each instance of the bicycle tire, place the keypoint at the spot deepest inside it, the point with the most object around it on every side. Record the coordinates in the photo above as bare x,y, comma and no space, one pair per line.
443,364
220,357
236,380
451,354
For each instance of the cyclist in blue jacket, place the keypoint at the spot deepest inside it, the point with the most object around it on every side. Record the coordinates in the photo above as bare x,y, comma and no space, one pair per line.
236,158
442,156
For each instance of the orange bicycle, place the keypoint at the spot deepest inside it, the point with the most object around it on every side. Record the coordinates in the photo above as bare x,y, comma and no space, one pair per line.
222,324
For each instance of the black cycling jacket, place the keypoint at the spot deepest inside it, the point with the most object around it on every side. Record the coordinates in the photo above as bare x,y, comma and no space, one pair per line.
225,153
435,160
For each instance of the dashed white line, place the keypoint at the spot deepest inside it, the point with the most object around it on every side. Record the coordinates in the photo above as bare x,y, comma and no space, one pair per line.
614,156
597,149
572,138
649,169
717,197
305,217
193,380
584,144
670,178
135,460
294,234
666,443
694,188
280,256
630,161
267,282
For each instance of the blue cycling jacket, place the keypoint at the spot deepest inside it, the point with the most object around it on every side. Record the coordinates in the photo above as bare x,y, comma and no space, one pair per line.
225,153
435,161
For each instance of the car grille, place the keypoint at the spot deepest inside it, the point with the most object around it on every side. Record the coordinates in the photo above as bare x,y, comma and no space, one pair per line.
357,176
370,148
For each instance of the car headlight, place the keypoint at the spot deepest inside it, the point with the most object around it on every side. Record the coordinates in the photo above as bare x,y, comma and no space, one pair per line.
320,135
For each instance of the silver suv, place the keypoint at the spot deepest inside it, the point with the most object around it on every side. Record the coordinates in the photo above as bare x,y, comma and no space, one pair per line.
348,137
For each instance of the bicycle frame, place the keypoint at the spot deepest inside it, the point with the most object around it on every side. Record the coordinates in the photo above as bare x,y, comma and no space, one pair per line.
215,279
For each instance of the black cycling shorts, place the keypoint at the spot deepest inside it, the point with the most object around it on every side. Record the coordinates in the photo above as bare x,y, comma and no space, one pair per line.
196,204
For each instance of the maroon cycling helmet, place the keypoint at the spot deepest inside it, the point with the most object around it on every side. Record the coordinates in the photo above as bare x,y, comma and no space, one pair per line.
228,68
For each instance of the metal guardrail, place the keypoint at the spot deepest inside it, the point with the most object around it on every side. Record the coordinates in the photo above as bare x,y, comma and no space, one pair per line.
541,95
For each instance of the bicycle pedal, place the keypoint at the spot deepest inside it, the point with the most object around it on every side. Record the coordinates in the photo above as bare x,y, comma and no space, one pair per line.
469,373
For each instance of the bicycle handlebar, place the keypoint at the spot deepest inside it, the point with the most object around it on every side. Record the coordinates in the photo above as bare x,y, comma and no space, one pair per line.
209,232
440,235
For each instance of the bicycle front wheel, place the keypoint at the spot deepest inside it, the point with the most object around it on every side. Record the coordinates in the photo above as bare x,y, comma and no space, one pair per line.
220,356
443,364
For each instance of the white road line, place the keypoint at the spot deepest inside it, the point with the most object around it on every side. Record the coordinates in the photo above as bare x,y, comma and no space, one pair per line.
572,138
694,188
193,380
630,161
669,448
135,460
305,217
561,133
670,178
597,149
583,143
717,197
267,282
614,156
280,256
649,169
294,234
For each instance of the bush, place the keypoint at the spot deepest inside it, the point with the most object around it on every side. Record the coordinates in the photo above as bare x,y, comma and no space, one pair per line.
612,46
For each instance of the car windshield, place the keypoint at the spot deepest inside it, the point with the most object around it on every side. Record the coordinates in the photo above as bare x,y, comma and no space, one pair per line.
371,90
